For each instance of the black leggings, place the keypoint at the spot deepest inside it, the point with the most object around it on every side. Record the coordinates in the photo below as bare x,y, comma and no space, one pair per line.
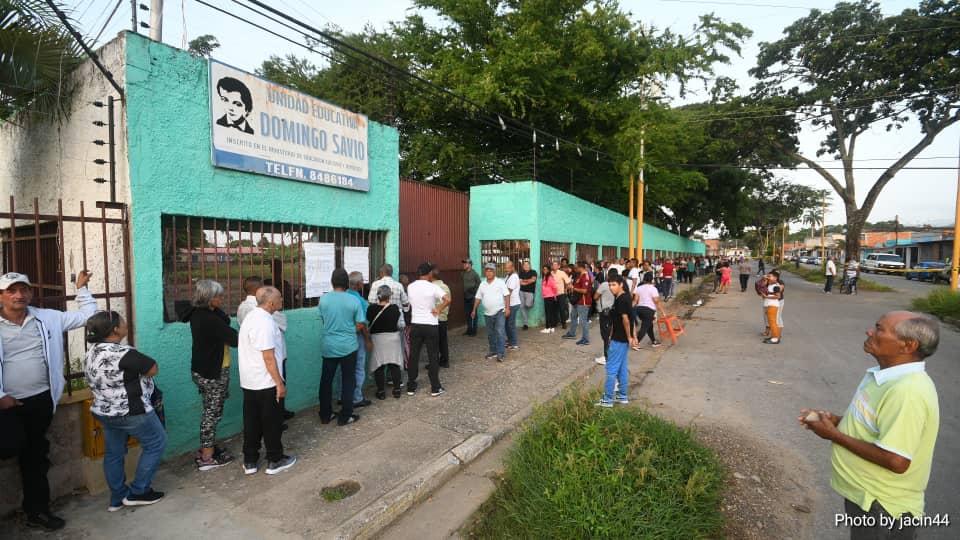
379,375
551,308
646,323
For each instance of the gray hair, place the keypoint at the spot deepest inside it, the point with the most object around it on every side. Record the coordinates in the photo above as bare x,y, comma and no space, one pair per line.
386,269
356,278
384,292
922,328
207,290
266,293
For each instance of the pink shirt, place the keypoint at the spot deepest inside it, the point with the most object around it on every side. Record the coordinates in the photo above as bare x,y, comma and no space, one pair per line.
549,287
725,272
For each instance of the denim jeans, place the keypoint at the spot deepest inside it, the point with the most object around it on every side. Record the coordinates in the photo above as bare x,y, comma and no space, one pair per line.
526,304
360,371
496,334
149,433
347,366
581,316
616,371
511,325
471,321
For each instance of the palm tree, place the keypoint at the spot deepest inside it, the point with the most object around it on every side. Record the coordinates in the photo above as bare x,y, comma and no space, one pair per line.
36,55
812,218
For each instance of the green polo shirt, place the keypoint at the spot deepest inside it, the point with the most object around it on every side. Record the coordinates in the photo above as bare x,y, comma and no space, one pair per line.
896,409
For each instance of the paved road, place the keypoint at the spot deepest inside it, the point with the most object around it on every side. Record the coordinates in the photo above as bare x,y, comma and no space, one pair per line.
720,373
897,281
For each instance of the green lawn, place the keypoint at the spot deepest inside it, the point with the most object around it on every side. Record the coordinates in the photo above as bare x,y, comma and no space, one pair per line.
941,303
579,471
816,275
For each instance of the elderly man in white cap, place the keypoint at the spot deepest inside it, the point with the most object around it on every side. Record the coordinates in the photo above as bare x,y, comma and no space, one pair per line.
495,297
31,382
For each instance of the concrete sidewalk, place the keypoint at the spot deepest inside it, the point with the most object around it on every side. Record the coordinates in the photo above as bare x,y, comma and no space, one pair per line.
400,451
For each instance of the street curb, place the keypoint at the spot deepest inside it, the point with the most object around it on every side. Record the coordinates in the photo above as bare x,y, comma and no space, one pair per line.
379,514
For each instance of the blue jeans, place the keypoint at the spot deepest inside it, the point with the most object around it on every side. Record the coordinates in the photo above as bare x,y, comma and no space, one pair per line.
496,335
581,316
471,321
511,325
148,431
616,371
360,372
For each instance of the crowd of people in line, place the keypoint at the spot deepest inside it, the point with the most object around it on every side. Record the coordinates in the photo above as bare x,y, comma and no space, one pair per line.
384,332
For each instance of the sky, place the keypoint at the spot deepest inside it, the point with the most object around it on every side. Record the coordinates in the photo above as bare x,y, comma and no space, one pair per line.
916,196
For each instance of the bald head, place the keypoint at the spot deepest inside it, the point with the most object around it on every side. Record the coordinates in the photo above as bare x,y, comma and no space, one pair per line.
269,298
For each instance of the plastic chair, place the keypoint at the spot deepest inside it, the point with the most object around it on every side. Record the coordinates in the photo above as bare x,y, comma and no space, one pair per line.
670,325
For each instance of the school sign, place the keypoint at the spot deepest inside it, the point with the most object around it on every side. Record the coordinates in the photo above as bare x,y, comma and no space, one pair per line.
262,127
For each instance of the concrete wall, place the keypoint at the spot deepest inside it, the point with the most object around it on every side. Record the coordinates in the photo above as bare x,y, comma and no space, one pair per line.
540,213
171,172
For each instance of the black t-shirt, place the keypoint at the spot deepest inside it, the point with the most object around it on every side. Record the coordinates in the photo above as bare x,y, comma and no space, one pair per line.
621,306
531,288
386,322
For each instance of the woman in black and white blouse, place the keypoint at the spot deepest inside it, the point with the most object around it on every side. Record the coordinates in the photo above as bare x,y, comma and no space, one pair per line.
121,379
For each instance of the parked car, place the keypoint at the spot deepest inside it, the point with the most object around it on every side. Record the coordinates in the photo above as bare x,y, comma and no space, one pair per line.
804,258
882,262
925,270
815,260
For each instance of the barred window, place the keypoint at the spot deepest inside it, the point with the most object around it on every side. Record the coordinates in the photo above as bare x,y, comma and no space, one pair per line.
552,252
587,252
229,250
610,253
500,251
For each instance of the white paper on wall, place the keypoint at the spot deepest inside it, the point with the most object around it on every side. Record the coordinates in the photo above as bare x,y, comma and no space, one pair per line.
319,260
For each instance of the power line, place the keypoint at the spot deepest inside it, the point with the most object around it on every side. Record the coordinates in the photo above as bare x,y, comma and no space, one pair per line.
104,27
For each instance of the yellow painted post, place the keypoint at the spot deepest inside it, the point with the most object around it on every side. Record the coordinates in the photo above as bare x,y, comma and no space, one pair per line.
640,189
633,249
956,238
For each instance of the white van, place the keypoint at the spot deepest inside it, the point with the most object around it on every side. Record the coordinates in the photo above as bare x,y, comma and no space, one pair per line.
882,262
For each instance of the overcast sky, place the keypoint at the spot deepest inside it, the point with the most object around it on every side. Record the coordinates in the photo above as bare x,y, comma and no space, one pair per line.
917,196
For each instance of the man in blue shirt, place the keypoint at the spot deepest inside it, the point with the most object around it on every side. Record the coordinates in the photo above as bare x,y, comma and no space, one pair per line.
356,290
341,318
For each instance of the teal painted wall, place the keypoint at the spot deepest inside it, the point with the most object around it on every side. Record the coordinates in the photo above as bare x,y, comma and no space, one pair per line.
537,212
168,133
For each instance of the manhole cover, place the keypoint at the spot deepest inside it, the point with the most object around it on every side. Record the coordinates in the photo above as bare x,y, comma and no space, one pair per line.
339,490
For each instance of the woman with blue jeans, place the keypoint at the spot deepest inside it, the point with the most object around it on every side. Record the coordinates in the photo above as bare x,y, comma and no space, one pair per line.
121,380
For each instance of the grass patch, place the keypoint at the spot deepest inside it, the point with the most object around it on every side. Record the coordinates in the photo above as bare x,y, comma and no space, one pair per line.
580,471
688,295
941,303
816,275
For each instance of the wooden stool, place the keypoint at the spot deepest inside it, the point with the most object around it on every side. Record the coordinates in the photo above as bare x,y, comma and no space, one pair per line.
670,325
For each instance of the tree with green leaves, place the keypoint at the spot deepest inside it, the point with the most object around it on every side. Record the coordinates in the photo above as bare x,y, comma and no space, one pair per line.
852,70
36,55
203,45
582,70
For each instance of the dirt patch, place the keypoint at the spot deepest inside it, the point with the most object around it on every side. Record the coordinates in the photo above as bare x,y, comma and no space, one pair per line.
765,496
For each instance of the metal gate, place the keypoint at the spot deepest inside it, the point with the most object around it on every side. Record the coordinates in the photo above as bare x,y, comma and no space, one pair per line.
52,248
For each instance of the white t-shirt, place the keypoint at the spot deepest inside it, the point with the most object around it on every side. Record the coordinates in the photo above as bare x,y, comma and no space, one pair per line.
259,332
852,269
773,288
491,295
513,283
646,294
634,277
424,296
831,269
619,268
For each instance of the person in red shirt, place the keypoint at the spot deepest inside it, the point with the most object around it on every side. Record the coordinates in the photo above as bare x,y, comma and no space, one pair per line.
668,269
582,298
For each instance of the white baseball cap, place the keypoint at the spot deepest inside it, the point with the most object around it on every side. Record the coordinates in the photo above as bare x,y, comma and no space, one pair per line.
10,278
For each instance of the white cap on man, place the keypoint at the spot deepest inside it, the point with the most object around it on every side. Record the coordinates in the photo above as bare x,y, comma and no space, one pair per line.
10,278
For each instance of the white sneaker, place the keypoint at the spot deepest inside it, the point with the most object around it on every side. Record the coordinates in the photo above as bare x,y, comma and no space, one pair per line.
552,330
546,330
602,360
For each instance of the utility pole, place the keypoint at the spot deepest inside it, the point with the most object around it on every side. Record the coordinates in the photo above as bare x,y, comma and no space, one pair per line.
156,20
641,187
133,16
823,229
956,238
